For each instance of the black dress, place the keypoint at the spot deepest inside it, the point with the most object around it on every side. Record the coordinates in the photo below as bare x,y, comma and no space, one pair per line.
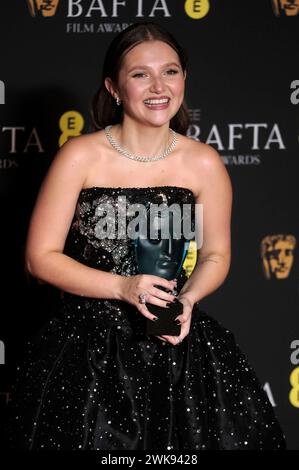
95,380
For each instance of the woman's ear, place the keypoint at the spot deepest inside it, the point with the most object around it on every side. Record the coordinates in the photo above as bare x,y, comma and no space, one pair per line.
110,87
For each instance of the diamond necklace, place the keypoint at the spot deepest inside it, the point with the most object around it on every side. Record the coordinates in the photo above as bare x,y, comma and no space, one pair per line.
140,158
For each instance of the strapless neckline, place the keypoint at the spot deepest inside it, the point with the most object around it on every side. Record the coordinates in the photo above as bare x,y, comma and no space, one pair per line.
116,188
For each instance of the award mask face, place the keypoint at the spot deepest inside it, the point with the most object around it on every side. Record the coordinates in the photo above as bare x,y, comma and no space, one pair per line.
44,8
160,250
160,247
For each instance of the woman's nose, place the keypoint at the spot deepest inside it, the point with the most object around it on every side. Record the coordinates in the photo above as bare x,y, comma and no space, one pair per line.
157,85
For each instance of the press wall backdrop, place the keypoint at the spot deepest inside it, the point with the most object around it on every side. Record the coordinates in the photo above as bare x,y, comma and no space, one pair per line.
242,90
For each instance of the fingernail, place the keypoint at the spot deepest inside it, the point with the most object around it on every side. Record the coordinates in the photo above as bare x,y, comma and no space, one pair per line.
177,322
168,304
155,319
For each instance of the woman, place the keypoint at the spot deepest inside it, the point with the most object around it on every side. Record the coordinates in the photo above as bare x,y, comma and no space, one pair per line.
96,380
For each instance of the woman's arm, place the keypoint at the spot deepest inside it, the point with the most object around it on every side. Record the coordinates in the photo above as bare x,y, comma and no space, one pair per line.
213,258
50,223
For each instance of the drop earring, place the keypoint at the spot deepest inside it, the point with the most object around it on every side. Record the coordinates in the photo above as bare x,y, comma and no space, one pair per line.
118,101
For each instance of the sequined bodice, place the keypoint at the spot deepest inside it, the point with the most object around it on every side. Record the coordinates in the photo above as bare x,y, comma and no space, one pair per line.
114,254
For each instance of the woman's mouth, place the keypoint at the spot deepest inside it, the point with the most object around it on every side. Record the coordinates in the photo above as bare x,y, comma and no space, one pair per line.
156,104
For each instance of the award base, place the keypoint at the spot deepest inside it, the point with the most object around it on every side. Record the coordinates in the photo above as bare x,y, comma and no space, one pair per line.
165,324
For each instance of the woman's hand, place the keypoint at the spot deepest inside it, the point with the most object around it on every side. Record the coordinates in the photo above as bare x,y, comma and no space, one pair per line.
133,286
185,320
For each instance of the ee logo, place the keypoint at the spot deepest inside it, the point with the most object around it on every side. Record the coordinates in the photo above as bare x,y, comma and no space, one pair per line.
197,9
71,124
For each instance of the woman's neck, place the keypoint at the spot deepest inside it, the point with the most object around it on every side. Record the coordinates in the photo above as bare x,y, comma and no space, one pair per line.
140,139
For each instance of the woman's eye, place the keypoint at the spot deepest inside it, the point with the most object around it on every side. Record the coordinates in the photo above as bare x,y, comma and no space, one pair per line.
172,71
138,74
169,72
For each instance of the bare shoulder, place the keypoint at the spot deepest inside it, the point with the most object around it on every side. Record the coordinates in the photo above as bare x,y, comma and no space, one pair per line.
58,194
69,169
206,165
79,147
201,154
78,153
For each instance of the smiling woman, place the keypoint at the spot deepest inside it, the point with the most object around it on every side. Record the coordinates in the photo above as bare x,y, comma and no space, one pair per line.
157,87
142,73
94,377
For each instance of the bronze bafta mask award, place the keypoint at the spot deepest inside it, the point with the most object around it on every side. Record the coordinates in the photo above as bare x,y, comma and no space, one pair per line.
160,250
44,8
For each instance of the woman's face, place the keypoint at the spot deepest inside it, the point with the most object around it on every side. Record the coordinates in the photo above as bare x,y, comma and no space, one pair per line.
151,70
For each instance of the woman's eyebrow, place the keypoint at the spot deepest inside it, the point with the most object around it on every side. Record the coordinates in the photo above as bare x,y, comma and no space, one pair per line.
148,67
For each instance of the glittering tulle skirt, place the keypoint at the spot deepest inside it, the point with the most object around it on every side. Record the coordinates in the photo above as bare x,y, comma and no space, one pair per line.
94,380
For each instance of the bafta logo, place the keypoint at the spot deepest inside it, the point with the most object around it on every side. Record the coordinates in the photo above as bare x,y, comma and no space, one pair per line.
277,253
44,8
285,7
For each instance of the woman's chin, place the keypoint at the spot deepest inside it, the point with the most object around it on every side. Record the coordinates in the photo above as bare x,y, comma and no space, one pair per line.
158,120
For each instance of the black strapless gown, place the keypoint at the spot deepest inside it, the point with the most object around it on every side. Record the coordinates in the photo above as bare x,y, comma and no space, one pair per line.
94,380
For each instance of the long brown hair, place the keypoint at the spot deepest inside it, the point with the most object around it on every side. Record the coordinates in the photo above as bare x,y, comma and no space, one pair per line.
104,110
